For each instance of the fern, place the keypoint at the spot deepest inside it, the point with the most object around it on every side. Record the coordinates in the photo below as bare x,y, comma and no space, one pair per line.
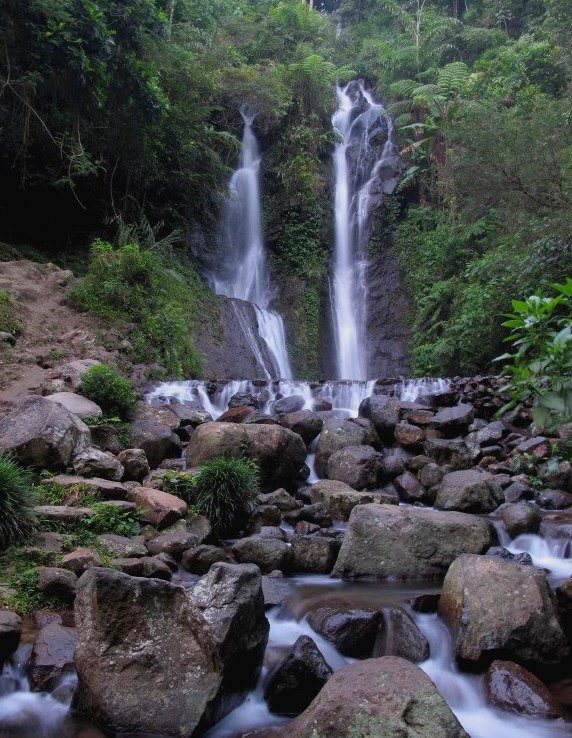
453,77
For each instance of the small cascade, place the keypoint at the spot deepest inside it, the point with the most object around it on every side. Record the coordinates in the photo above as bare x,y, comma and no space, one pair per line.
242,276
366,167
345,397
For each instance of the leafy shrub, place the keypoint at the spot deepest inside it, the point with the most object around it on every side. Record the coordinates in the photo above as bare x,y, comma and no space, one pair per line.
17,498
540,368
111,519
110,390
222,489
152,290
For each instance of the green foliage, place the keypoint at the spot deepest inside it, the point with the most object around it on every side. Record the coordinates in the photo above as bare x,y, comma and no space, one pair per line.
17,519
111,519
105,386
149,288
18,572
222,489
180,484
540,368
9,322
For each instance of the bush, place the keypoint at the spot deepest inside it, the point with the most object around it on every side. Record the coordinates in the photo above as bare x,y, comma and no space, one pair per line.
17,498
110,390
111,519
222,490
181,485
8,320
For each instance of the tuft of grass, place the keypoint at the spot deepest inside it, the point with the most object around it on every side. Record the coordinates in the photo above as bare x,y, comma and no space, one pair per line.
113,392
17,498
18,571
222,490
8,320
181,485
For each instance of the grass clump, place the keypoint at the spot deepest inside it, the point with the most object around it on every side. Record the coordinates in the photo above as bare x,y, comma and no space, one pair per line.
113,392
222,489
19,572
111,519
17,498
180,484
9,323
148,287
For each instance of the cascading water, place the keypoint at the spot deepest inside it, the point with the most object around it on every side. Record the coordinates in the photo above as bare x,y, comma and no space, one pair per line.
366,166
243,274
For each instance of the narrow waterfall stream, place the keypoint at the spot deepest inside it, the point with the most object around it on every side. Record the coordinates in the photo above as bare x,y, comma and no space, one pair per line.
242,275
365,149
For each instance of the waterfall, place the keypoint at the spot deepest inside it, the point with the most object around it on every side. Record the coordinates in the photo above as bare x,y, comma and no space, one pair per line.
365,167
243,275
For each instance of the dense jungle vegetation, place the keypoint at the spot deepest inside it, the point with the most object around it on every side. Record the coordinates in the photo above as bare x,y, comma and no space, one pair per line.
116,112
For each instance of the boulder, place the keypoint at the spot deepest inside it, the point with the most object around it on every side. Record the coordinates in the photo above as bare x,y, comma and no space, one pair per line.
386,698
155,568
430,475
123,546
52,656
57,582
558,476
555,499
338,497
107,488
80,560
448,451
469,490
337,434
10,634
42,434
383,412
159,508
172,543
243,399
135,464
106,437
520,517
503,553
297,679
67,377
358,466
409,435
513,688
190,414
314,554
493,607
412,491
200,559
305,423
287,405
352,630
385,541
276,589
316,513
453,421
280,499
93,462
157,440
63,513
279,452
144,636
398,635
517,491
76,404
267,553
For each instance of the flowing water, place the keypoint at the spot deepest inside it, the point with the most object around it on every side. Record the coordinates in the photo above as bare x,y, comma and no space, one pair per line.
242,274
366,144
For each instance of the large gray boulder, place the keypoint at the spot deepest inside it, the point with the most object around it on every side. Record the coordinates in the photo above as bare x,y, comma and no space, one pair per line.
93,462
337,434
279,452
469,490
454,420
77,404
359,466
385,541
268,554
158,440
42,434
387,697
383,411
338,497
147,637
305,423
493,606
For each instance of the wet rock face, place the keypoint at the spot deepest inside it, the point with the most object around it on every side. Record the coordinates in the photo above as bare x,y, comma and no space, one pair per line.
157,440
338,497
493,606
338,434
384,541
398,635
298,678
351,630
469,490
513,688
387,697
383,412
10,633
280,453
52,656
144,636
358,466
305,423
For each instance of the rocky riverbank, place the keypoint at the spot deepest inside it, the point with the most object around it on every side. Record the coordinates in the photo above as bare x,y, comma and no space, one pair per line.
451,519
